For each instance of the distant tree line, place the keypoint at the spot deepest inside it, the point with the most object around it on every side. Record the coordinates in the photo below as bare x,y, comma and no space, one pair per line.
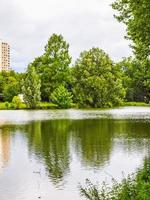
94,80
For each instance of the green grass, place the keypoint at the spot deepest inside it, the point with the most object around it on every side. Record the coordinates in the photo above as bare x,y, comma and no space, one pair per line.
10,106
49,105
42,105
135,104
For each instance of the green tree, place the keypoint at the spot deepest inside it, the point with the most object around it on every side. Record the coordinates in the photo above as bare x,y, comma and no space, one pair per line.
9,84
10,91
97,81
62,97
31,88
136,76
53,65
135,14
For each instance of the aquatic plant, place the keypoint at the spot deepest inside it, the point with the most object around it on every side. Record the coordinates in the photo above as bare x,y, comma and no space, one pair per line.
135,187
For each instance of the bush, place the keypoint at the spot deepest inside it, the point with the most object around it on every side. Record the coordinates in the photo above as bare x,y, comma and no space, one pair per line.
134,187
10,91
16,102
6,105
62,97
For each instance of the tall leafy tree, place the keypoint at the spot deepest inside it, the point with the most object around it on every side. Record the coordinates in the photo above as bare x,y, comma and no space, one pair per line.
97,81
53,65
135,79
31,88
135,14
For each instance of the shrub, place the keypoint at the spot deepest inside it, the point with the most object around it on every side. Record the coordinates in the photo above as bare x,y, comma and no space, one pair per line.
134,187
62,97
10,91
16,102
7,105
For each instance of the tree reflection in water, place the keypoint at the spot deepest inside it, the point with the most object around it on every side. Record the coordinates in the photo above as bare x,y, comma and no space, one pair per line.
52,142
49,140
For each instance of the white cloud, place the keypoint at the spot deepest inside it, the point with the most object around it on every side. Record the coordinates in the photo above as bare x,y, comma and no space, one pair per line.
27,24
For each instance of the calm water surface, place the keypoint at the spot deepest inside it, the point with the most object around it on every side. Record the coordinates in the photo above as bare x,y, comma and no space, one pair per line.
47,154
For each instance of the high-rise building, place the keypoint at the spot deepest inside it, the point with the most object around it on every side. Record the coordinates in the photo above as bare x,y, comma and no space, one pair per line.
4,56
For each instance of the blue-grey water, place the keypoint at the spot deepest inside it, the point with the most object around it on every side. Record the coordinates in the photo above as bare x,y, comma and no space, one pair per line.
47,154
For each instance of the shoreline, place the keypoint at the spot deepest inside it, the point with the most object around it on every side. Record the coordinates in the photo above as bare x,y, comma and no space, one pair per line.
51,106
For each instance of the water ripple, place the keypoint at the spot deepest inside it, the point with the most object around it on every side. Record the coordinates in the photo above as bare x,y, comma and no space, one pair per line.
25,116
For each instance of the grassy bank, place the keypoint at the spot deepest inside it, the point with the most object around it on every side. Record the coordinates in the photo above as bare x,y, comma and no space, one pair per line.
134,187
42,105
49,105
135,104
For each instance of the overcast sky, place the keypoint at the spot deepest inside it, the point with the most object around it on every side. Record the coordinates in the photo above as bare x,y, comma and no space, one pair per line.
27,25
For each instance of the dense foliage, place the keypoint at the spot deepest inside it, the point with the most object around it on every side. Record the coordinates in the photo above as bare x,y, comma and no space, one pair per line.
16,102
62,97
134,187
31,88
135,14
136,79
9,85
53,65
94,80
97,81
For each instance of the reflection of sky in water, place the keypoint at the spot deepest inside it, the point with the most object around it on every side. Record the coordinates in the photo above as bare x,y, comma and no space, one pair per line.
23,116
19,181
49,158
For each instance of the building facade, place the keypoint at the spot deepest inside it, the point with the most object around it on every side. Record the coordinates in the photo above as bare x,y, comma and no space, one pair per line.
4,56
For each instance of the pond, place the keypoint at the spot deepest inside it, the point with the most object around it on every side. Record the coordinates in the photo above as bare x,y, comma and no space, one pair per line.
47,154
